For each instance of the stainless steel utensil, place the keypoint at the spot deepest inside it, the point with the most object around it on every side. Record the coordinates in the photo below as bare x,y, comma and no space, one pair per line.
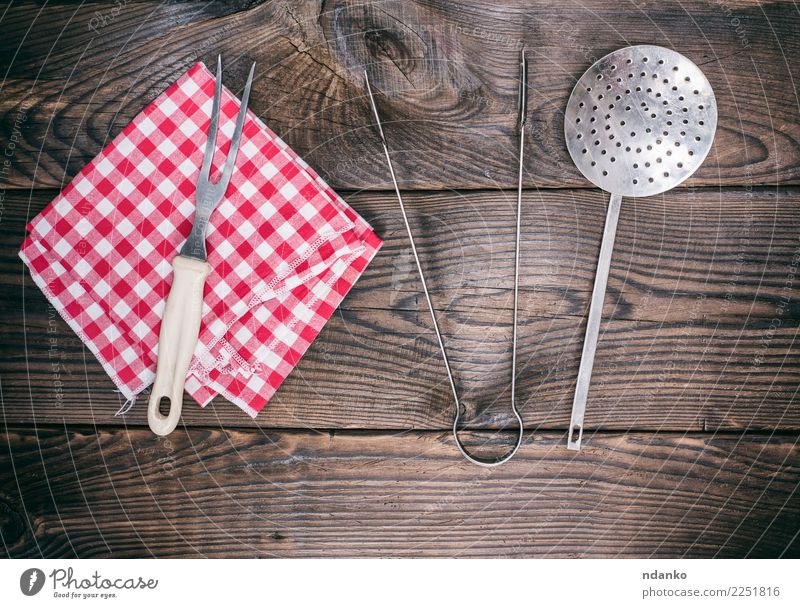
639,122
521,119
180,325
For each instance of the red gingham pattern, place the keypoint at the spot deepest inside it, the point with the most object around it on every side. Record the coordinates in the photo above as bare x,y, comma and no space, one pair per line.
283,247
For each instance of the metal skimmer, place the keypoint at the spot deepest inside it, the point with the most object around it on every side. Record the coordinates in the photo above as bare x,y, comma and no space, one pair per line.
639,122
521,118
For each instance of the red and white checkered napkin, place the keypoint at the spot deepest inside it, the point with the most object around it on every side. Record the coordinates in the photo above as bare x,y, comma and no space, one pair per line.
283,247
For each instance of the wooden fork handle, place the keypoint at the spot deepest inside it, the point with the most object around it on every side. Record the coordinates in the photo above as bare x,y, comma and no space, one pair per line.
180,327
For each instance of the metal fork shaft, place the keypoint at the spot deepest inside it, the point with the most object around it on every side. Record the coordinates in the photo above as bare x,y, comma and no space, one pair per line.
209,194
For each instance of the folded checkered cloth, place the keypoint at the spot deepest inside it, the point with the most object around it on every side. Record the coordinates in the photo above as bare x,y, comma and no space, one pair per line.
283,247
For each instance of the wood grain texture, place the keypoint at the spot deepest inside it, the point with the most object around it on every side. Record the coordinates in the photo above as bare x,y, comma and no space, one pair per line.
76,73
700,332
691,447
227,494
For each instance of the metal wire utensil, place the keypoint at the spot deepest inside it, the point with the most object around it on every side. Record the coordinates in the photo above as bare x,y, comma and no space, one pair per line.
521,118
639,122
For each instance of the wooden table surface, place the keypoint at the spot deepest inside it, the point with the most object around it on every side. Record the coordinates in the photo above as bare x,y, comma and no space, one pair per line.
691,447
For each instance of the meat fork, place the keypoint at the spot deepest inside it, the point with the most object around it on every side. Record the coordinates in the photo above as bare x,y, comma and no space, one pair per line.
180,326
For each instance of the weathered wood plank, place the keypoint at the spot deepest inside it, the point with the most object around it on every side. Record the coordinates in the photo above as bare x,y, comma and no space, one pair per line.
360,376
713,254
76,73
224,494
701,332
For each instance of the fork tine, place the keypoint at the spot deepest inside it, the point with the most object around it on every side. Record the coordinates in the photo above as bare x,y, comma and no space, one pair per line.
237,134
211,141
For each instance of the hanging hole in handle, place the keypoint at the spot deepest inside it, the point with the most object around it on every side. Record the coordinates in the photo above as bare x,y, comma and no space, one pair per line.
575,434
164,406
163,413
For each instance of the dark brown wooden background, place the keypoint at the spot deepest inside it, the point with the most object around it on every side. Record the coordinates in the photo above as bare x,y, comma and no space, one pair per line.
692,429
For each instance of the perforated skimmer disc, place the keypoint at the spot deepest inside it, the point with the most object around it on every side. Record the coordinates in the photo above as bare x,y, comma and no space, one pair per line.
640,121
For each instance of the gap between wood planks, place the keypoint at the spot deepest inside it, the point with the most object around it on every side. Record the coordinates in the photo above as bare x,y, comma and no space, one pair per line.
498,434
